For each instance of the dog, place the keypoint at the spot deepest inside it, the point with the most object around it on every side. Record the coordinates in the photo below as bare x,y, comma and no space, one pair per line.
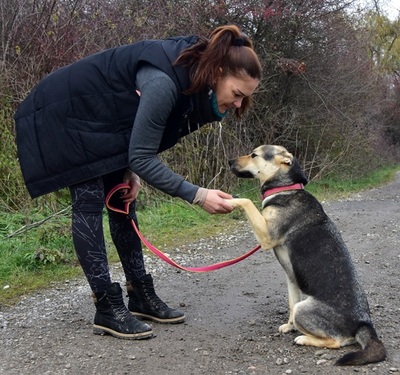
309,247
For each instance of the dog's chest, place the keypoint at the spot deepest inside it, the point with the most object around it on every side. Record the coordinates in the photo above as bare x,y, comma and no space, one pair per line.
274,217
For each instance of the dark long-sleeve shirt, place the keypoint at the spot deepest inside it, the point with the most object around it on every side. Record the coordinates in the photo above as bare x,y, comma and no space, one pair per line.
158,96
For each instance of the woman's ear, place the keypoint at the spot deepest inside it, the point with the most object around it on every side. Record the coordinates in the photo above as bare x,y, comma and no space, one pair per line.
216,78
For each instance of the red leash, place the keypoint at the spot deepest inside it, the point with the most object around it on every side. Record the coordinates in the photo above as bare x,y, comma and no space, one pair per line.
160,254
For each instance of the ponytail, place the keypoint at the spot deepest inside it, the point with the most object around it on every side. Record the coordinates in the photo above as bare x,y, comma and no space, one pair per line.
228,49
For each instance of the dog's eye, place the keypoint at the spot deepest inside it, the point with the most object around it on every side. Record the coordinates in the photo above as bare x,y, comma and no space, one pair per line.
253,155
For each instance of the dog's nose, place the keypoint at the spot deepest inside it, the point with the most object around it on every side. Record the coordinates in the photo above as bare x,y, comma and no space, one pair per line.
230,162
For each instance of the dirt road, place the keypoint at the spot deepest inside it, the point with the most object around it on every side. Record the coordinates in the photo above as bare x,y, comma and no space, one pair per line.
232,314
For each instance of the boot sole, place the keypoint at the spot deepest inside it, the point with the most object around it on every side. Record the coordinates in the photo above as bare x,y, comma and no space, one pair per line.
179,319
99,330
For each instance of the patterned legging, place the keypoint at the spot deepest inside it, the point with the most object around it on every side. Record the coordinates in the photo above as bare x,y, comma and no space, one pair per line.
88,200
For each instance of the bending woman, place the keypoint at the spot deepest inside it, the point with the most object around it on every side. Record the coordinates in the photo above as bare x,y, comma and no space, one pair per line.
102,121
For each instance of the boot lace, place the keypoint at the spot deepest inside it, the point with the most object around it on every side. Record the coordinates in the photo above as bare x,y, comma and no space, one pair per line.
118,307
152,297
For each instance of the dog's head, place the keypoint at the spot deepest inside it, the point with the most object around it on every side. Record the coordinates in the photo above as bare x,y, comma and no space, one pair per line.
271,165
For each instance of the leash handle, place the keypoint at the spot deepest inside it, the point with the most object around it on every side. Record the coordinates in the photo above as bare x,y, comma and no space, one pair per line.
159,253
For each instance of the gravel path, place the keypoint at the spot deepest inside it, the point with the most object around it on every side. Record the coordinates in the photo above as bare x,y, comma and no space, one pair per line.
232,314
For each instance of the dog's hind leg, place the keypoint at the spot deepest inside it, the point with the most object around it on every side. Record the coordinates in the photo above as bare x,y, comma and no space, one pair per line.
319,323
319,342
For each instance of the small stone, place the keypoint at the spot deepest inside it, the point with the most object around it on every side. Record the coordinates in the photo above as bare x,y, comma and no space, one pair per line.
321,361
279,361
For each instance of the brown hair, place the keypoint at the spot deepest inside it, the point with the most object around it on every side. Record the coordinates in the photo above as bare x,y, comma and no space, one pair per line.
227,48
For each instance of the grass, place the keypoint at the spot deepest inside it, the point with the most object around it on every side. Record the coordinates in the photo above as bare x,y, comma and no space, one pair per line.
331,188
35,257
43,254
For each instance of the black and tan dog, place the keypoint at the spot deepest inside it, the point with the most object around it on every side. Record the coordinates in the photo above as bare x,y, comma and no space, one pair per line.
309,247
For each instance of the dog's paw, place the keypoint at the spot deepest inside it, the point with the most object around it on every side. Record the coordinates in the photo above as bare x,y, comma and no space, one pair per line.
285,328
232,202
303,340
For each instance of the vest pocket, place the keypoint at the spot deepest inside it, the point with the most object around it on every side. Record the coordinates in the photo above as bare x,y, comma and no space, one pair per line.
97,140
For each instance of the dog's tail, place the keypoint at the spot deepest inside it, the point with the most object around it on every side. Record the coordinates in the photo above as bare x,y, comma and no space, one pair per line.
372,350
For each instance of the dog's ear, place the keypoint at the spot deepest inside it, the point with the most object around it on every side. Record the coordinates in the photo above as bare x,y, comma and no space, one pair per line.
287,161
287,158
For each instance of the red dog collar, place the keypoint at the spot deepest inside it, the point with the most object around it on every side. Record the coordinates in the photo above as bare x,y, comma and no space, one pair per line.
273,191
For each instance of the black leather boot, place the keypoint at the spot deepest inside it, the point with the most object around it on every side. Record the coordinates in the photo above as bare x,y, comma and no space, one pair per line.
113,317
144,303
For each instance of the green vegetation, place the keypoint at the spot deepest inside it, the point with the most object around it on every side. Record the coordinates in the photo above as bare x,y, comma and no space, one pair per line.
36,248
331,188
330,92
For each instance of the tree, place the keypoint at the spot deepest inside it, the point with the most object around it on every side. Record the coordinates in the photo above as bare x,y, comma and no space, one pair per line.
324,95
384,42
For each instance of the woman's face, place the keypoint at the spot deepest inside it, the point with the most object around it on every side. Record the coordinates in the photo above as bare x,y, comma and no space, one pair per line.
230,90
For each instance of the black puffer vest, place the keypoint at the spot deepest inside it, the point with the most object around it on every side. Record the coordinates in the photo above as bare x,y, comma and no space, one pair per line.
76,123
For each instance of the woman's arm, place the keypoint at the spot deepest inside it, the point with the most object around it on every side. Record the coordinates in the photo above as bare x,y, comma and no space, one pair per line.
158,98
158,95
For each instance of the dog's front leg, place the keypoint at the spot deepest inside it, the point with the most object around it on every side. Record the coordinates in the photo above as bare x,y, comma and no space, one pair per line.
294,295
294,292
256,220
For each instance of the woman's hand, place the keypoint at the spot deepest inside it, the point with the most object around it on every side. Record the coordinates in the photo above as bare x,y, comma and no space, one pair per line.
215,203
133,180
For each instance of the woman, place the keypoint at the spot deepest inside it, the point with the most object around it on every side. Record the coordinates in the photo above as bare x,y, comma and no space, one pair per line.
102,120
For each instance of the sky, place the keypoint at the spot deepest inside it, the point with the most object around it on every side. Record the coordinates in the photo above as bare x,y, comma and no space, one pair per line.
392,8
